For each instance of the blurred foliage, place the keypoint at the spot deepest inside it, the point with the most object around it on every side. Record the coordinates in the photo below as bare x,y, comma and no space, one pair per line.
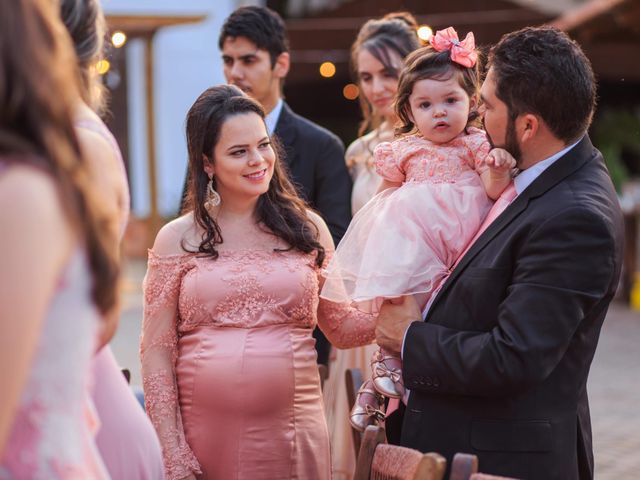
616,133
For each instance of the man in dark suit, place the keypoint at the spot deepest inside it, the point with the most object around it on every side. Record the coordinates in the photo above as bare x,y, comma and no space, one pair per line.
499,368
255,53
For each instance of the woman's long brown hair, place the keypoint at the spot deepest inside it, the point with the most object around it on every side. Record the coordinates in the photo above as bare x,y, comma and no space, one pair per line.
280,209
38,91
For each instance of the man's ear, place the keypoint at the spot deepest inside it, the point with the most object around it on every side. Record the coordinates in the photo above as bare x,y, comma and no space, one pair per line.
527,126
281,67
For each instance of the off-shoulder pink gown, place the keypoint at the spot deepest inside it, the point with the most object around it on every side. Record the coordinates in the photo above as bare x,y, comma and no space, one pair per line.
229,366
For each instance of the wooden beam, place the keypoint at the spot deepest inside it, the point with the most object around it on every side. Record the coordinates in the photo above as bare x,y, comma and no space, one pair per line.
439,19
585,13
142,25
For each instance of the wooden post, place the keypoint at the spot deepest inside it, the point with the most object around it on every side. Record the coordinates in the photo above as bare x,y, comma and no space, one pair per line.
154,218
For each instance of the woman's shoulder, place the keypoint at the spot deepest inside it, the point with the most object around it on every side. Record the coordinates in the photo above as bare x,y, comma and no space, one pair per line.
30,204
361,147
171,237
324,236
27,186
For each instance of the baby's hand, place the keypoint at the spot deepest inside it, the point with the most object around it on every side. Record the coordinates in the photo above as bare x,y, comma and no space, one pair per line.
501,160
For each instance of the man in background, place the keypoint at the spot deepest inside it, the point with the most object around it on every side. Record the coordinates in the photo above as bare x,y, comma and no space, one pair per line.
255,52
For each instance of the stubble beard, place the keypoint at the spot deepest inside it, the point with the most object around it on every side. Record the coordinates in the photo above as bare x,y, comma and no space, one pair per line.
511,144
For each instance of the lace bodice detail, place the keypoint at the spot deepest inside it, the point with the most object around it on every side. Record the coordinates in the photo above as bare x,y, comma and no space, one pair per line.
240,289
416,159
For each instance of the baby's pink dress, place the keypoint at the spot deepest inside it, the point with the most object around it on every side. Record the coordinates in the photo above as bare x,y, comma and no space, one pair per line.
406,239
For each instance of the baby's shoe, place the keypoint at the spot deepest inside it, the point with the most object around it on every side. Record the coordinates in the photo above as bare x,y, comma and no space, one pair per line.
387,374
368,408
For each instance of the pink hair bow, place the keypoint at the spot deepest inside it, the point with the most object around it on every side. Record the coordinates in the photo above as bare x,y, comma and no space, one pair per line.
462,52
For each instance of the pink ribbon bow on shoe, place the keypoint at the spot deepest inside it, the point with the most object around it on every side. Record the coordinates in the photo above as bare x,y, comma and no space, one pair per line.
462,52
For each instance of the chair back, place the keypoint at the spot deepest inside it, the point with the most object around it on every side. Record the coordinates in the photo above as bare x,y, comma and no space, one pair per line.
463,466
486,476
391,462
371,438
353,380
379,461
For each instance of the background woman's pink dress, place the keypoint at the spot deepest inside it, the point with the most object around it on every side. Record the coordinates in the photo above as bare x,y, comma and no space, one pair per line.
126,439
50,438
405,240
229,366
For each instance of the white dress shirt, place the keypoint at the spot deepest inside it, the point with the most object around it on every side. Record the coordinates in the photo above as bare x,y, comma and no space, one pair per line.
271,120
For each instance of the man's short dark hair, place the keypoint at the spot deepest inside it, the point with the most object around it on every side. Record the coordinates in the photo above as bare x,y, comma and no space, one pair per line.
540,70
261,25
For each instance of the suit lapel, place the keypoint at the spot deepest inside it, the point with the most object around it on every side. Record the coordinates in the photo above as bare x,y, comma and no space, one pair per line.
286,133
553,175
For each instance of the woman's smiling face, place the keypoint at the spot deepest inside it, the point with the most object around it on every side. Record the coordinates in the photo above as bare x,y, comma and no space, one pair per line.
243,158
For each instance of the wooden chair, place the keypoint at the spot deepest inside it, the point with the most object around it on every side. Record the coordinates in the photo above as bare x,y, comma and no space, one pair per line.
379,461
353,380
463,466
486,476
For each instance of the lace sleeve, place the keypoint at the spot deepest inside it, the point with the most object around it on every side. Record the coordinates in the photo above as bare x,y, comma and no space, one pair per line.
158,353
386,161
343,325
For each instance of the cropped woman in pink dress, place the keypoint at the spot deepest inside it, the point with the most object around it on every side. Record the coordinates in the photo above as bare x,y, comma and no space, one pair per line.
231,298
126,439
59,270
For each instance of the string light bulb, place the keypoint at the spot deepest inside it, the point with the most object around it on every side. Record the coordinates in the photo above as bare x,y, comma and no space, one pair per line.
425,33
350,91
118,39
327,69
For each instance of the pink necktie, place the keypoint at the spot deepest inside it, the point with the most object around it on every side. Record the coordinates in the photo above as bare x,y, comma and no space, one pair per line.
503,201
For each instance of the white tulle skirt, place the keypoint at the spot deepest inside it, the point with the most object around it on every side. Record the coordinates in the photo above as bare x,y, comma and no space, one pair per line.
405,240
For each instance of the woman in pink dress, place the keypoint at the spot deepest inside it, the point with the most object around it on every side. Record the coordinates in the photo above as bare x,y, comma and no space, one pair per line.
439,179
231,298
59,270
376,57
126,439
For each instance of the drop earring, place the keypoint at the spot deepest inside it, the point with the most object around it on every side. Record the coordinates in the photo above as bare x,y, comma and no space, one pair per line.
213,197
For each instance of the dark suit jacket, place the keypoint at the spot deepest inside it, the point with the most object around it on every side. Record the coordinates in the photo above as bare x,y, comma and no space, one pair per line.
499,368
315,159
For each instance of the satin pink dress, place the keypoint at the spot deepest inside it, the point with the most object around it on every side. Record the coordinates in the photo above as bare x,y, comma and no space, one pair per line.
405,240
229,366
